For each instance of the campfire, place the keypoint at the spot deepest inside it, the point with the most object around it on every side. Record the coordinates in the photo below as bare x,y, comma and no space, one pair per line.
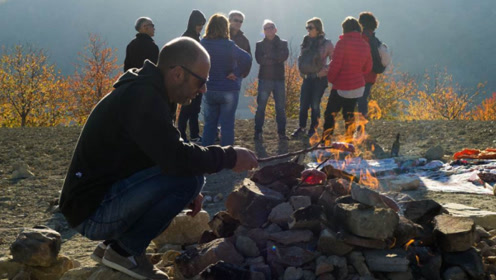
286,222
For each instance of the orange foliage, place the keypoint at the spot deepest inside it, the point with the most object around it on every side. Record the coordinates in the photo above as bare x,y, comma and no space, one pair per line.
441,99
485,111
32,93
94,77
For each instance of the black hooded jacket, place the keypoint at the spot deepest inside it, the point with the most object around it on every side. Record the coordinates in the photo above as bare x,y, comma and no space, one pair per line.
130,130
196,18
141,48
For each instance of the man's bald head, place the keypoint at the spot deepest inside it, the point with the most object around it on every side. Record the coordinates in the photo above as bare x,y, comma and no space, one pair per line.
181,51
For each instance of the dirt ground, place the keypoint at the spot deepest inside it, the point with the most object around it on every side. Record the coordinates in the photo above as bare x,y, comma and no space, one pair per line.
47,151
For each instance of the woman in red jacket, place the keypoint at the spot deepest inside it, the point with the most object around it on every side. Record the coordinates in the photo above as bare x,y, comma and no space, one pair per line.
350,61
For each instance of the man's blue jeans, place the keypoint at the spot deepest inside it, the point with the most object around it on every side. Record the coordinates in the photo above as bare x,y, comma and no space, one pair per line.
139,208
219,107
312,91
265,87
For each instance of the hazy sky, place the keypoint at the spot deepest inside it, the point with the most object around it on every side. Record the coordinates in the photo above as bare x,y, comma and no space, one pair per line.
421,34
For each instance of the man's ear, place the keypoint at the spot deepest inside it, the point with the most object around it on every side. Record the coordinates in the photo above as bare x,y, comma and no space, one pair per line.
177,74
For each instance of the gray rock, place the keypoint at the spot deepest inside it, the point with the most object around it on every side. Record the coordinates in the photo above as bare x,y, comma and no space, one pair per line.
394,260
483,218
454,234
288,237
329,244
293,273
281,214
300,201
251,203
436,152
184,229
36,247
247,247
375,223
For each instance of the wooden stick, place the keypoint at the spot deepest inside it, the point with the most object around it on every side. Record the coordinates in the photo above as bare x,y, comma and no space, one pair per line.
315,147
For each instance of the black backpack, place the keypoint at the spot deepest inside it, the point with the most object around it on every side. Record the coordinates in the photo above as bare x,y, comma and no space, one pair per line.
377,66
309,61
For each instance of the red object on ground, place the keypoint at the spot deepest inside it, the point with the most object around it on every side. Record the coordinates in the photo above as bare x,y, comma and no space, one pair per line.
489,153
313,177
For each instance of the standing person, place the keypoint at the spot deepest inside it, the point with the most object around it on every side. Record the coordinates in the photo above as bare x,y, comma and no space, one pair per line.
221,99
130,173
312,63
236,19
369,24
142,47
271,53
189,113
350,61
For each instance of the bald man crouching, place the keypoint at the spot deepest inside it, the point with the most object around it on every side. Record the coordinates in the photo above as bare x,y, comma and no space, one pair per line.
131,173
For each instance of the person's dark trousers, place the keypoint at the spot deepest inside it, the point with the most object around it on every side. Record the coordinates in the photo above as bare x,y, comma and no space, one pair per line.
312,90
334,105
363,102
139,208
265,87
190,113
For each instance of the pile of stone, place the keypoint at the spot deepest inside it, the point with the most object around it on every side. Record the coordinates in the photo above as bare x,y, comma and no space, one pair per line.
275,227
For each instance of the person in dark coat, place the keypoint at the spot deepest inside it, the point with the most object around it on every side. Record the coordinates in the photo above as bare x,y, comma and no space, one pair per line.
271,53
131,173
236,19
189,113
142,47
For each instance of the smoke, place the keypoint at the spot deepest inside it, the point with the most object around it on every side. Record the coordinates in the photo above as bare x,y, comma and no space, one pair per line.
3,2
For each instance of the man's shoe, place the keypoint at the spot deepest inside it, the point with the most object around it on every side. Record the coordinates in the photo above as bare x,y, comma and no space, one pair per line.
298,132
137,267
99,252
282,136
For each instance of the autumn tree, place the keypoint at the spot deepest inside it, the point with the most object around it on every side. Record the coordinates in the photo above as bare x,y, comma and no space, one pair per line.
95,74
441,98
390,94
486,111
31,90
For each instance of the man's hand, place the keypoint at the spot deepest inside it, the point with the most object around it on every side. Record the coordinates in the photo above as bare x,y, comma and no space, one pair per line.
232,77
195,206
245,160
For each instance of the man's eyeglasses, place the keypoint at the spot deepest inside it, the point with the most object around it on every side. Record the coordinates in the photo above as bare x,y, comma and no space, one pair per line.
238,20
150,24
202,80
309,27
269,27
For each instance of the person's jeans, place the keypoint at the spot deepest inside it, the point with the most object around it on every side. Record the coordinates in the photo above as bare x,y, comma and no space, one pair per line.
190,113
265,87
139,208
312,91
219,107
334,105
363,102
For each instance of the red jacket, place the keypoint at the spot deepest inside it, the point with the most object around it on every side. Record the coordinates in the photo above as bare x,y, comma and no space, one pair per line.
350,61
371,76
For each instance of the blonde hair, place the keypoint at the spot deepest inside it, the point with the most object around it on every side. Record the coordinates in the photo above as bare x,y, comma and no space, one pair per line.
217,27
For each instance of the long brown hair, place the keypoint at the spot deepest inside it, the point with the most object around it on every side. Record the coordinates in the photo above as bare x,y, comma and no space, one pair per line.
317,22
217,27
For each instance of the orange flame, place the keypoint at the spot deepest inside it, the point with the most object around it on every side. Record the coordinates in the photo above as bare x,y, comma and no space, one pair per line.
418,260
409,243
375,112
369,180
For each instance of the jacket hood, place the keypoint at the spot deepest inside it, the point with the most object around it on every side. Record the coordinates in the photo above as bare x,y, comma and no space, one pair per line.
196,18
149,73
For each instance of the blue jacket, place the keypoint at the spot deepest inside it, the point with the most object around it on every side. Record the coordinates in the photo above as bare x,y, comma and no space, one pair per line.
225,58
